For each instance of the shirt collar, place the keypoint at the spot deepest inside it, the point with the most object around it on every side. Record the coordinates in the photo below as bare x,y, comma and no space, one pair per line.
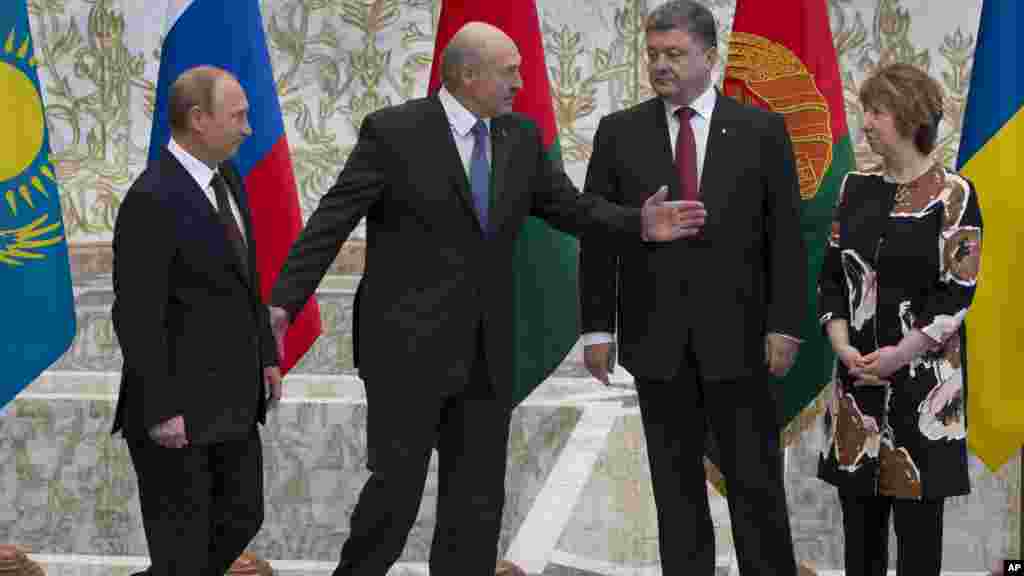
199,171
703,105
459,117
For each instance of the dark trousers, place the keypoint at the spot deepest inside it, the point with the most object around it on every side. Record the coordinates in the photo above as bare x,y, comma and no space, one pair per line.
744,422
201,506
918,525
470,431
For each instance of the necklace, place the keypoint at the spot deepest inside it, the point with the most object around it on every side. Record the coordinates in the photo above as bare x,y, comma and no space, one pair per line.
905,189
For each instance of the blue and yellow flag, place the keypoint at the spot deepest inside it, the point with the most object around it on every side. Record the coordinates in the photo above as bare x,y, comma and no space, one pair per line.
991,150
38,318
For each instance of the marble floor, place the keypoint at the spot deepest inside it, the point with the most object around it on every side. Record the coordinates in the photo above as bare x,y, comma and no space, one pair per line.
579,501
562,565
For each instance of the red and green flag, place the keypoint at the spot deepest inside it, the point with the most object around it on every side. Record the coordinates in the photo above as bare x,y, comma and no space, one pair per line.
781,57
545,304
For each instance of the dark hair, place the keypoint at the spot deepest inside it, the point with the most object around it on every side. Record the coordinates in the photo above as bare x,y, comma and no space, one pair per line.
688,15
193,87
912,97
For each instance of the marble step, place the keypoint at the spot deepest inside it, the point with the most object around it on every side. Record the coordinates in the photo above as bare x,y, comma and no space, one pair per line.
578,483
95,345
576,474
80,565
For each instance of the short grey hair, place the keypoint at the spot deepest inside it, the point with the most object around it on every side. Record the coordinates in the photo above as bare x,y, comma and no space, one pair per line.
194,87
687,15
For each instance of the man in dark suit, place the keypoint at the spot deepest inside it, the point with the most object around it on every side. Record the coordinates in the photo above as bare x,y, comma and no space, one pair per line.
445,183
701,321
200,362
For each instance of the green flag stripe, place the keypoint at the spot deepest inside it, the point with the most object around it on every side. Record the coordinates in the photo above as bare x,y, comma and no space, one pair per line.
813,368
545,299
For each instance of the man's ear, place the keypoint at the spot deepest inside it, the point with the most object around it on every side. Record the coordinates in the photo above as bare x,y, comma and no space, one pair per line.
195,119
712,55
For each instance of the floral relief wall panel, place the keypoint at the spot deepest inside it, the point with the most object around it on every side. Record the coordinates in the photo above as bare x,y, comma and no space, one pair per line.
335,61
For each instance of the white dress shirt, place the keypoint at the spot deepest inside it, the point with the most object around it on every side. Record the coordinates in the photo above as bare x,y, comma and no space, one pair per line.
703,107
203,175
461,121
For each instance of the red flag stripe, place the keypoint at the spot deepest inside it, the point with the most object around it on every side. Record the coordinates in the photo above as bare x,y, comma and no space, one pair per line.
519,20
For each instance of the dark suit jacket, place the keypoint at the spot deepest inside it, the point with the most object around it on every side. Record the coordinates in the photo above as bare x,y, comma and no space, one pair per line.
432,277
723,291
193,331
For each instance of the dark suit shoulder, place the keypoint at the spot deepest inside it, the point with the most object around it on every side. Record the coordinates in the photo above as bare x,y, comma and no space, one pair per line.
156,190
746,113
152,184
403,115
631,114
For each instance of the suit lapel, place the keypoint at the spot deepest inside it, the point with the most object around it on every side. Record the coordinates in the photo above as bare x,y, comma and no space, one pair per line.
439,132
721,131
231,177
201,215
503,141
660,149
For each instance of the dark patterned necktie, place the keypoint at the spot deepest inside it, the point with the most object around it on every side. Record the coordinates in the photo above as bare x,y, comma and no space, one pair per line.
227,218
480,173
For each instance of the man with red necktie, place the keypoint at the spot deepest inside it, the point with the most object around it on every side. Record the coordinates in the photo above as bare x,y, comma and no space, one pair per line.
702,322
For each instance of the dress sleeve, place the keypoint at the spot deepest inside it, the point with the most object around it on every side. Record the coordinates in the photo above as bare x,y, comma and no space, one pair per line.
833,301
960,243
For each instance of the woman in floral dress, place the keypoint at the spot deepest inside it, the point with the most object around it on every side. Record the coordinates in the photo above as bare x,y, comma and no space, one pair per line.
897,280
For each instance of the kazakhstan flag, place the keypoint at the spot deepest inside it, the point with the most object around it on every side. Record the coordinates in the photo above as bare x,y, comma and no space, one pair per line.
991,150
35,280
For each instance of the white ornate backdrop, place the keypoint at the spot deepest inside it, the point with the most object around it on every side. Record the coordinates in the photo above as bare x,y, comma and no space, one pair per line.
577,455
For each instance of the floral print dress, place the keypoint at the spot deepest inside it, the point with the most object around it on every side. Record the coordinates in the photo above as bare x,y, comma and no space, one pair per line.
901,256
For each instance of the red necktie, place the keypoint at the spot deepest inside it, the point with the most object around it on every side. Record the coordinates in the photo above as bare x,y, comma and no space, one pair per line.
686,155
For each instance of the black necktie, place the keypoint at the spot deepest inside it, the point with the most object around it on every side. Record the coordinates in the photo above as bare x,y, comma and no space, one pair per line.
231,230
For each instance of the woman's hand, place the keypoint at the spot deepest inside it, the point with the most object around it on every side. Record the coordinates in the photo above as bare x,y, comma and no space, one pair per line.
885,361
850,357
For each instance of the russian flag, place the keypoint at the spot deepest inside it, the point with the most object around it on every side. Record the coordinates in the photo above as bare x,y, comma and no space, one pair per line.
230,35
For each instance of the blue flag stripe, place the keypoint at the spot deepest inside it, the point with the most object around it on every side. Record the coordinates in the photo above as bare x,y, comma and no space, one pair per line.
240,48
997,82
35,279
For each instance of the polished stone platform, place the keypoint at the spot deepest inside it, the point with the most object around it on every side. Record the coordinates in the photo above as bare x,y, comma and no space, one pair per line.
579,498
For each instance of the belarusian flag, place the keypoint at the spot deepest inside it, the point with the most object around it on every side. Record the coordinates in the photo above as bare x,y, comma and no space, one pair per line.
545,304
781,57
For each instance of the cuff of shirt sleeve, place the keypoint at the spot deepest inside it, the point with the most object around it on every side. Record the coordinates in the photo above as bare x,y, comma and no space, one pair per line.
788,337
592,338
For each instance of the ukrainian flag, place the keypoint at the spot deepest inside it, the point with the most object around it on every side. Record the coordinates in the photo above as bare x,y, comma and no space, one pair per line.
991,150
38,315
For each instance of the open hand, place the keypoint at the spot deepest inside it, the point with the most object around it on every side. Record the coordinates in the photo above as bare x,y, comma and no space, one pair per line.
666,221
